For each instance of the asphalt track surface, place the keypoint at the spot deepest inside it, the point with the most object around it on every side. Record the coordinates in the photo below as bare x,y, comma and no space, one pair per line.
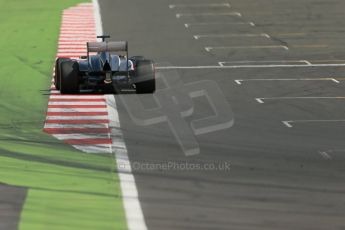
282,176
12,199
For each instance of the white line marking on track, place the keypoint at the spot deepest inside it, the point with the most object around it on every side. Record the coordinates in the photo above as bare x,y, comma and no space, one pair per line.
237,14
287,124
259,100
262,99
210,48
187,25
198,36
98,18
134,214
266,35
246,66
173,6
239,81
335,80
325,155
265,62
306,61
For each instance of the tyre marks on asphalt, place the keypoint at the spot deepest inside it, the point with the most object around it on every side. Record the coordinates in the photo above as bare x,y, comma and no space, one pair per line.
79,120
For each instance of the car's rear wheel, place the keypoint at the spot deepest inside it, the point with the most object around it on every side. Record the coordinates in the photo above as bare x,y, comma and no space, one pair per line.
145,81
137,58
57,74
69,80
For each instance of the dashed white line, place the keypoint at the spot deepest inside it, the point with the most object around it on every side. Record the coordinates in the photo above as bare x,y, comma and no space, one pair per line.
173,6
307,62
287,124
198,36
237,14
240,81
223,63
133,211
187,25
259,100
335,80
290,123
262,99
325,155
247,66
210,48
134,214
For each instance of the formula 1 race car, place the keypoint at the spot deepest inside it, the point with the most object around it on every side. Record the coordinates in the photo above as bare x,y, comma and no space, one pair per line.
104,70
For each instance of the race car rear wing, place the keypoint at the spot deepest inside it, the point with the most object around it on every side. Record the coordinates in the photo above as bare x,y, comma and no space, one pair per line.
105,46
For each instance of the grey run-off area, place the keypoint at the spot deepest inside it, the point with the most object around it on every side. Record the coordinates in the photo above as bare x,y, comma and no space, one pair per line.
280,177
12,199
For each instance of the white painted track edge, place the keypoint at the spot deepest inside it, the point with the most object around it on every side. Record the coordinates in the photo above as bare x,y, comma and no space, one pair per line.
133,210
134,214
248,66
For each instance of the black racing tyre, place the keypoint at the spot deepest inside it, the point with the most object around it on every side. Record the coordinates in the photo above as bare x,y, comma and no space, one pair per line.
69,81
57,74
145,81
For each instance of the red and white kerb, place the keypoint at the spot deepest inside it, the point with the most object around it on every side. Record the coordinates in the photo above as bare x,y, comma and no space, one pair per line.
79,120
